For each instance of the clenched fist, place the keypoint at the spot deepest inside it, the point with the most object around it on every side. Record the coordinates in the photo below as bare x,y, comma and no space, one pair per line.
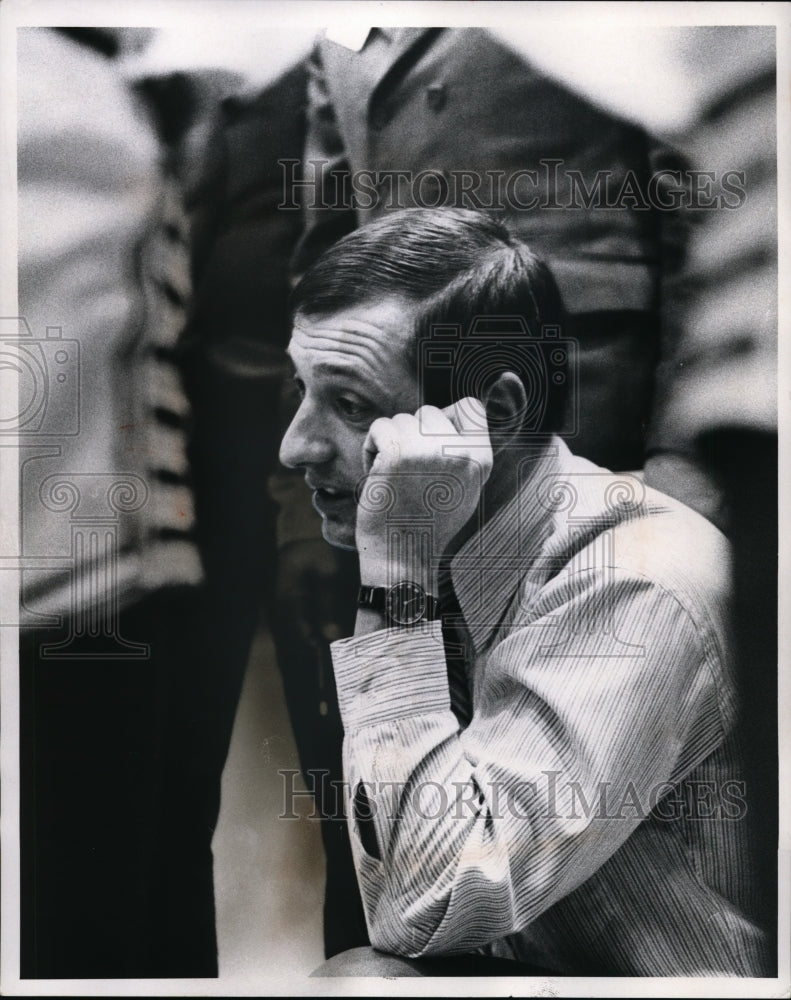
425,475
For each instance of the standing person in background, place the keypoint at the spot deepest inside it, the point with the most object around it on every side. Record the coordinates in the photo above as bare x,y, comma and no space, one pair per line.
124,708
234,353
723,400
469,123
718,404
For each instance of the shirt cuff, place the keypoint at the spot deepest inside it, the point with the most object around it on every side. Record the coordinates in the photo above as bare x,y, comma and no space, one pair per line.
395,673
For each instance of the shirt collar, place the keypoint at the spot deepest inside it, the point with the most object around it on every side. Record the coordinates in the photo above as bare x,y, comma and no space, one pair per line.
350,36
356,36
561,502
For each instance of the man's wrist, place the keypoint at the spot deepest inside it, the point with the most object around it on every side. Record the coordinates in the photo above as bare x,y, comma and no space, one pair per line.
407,597
384,568
405,603
382,574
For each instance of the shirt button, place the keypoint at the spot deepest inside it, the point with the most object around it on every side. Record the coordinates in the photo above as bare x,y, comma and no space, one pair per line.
436,96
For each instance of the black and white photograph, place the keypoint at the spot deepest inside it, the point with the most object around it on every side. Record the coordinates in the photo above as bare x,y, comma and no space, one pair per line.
393,462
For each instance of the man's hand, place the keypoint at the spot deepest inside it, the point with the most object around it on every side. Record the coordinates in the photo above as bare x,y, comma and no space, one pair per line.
432,465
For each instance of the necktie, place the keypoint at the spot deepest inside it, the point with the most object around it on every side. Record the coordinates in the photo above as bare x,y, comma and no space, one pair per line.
457,647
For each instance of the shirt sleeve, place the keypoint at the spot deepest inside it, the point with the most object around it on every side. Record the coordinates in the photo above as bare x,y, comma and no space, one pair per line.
593,699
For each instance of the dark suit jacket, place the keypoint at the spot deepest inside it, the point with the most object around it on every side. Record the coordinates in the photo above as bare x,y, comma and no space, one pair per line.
449,100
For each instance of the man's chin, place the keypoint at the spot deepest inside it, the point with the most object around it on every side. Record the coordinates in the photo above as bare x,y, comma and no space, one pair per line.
338,535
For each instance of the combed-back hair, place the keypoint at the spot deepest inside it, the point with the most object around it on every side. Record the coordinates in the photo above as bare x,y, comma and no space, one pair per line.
462,269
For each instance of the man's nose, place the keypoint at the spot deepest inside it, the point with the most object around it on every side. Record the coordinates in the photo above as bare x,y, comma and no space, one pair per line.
305,442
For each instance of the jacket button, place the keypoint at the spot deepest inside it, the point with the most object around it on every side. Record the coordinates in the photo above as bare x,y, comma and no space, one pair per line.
380,117
436,96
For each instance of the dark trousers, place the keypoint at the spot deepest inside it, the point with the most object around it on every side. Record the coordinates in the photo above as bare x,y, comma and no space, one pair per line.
238,425
309,684
120,782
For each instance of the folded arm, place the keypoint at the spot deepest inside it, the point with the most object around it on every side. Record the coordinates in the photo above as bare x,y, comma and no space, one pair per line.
477,832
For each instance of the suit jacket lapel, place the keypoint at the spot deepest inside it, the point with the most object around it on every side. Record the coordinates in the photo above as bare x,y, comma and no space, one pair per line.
354,78
402,43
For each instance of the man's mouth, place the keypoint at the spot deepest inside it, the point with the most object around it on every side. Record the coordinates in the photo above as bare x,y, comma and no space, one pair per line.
327,497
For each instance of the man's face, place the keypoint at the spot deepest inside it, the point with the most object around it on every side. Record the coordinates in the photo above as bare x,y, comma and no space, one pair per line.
350,368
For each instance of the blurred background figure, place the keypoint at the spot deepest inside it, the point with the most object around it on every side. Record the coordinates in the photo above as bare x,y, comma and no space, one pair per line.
234,351
723,400
452,109
126,705
718,403
726,402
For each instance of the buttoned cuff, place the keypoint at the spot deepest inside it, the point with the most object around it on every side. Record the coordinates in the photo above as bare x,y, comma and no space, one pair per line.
391,674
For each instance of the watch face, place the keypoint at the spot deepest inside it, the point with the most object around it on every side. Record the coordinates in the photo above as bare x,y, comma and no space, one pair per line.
406,603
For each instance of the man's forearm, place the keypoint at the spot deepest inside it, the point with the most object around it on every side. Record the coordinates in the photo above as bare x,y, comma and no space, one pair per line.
477,832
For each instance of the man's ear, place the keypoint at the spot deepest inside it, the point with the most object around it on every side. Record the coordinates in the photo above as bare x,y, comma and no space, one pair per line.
506,405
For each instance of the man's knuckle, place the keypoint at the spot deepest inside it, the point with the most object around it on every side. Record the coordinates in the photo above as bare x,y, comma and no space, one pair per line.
380,424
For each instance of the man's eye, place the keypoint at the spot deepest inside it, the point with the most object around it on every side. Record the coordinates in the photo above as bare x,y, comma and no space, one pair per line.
300,387
351,407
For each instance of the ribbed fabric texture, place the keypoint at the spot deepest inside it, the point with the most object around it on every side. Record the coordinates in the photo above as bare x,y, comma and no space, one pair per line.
591,817
104,260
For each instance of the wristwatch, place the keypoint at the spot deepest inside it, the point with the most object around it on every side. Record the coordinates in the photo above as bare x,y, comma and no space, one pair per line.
406,603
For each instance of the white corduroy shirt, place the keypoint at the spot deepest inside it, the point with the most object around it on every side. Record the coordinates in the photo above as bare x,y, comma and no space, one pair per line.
592,817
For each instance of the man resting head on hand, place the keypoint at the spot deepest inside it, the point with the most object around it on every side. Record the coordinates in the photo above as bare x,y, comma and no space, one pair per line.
538,701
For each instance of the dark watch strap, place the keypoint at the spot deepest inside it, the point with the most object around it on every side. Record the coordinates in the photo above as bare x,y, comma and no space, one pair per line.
371,597
375,598
433,611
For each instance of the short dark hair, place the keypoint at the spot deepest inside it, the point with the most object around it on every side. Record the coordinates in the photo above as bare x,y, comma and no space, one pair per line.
461,268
